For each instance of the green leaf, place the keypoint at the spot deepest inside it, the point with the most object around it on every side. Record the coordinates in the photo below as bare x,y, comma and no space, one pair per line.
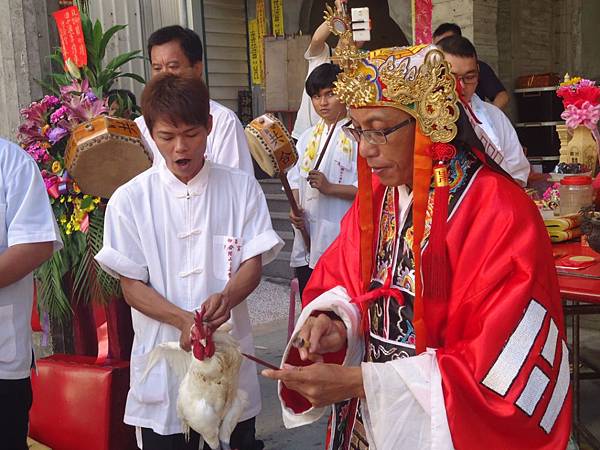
97,36
86,25
123,58
47,86
107,37
91,77
51,293
87,202
135,76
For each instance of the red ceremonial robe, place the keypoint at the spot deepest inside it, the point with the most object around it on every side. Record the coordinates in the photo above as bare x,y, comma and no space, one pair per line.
499,341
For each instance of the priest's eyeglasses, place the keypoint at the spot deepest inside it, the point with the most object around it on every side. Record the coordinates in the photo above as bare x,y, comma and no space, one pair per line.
376,137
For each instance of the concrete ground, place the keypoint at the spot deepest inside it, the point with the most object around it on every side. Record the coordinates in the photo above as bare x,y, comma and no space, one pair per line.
269,306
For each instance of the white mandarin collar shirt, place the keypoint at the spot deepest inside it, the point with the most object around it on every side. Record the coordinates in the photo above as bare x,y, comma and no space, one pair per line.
323,212
25,218
498,128
226,143
185,241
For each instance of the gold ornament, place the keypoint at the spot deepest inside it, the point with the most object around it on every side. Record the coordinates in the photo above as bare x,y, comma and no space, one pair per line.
414,79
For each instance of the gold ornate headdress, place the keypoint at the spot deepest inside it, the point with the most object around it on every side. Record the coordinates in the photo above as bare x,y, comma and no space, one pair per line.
414,79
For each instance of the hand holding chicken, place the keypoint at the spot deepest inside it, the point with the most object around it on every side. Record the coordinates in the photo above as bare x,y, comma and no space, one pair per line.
209,401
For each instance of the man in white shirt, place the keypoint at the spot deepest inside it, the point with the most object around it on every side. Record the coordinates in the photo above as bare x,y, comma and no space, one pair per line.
182,234
28,237
178,50
324,194
461,55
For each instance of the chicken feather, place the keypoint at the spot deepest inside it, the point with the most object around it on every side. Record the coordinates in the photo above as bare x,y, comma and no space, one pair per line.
209,400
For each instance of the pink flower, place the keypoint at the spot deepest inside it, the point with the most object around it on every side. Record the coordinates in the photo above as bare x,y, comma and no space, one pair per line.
60,113
38,153
587,114
50,101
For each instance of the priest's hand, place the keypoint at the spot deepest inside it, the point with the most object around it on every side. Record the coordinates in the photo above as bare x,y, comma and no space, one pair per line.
321,334
319,181
217,310
321,384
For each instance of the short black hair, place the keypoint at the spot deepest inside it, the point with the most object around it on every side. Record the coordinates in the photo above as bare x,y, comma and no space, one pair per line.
458,46
322,77
447,27
190,42
177,99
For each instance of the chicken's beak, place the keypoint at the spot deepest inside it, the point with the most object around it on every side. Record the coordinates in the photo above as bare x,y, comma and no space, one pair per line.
202,342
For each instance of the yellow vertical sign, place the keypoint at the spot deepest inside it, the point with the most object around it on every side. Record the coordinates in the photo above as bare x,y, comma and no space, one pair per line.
261,17
277,17
262,29
255,59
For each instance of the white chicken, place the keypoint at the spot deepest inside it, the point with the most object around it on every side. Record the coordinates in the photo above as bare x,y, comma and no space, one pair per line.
209,400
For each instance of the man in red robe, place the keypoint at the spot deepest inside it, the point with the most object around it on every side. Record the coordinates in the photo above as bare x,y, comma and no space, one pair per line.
434,321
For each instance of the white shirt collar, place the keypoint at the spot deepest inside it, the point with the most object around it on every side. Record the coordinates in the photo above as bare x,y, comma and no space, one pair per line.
195,186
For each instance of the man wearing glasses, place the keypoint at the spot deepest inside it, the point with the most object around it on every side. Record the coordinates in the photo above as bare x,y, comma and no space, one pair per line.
434,320
461,55
489,88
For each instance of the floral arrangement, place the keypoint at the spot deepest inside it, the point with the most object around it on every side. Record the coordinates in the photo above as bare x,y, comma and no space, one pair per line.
581,99
78,94
44,134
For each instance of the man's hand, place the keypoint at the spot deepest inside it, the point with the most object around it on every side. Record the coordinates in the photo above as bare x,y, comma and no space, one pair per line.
318,180
217,310
297,221
186,328
324,335
321,384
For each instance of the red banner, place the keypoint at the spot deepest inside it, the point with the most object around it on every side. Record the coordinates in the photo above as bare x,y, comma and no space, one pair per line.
422,10
72,42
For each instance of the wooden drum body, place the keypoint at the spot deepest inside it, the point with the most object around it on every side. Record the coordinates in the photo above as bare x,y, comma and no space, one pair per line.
105,153
271,145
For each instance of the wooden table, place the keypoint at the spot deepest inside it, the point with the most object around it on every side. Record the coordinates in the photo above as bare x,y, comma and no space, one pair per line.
580,291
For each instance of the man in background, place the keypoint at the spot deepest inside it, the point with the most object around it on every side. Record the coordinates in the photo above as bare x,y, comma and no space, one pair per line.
489,88
178,50
461,55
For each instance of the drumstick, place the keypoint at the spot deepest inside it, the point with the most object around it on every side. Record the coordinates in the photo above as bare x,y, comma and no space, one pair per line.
295,208
337,118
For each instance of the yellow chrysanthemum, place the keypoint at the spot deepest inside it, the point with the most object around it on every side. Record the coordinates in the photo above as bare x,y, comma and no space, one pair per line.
56,167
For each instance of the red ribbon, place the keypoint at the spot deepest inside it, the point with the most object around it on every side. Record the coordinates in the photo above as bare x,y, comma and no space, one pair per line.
384,291
101,333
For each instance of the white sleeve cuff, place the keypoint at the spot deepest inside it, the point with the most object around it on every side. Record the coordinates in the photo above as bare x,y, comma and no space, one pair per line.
116,265
267,243
338,301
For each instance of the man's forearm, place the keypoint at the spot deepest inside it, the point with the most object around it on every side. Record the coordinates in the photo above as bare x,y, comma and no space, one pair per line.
343,191
146,300
20,260
244,281
317,43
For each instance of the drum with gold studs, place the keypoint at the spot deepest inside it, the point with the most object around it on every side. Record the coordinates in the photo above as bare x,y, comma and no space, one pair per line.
104,153
271,145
